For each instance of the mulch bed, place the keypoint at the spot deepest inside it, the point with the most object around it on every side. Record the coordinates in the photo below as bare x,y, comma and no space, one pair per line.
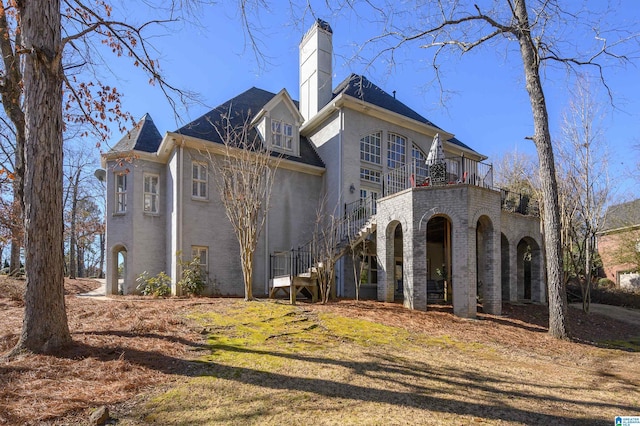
127,345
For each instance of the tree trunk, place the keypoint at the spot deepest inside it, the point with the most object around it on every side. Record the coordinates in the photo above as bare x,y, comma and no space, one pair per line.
45,326
542,138
73,240
11,91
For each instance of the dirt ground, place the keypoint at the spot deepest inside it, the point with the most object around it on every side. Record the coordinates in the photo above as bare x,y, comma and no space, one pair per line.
126,346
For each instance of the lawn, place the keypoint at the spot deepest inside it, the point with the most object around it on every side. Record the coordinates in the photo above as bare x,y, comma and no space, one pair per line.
225,361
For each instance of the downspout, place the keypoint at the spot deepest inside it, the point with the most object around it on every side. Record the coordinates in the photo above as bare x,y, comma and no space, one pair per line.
179,203
267,263
340,283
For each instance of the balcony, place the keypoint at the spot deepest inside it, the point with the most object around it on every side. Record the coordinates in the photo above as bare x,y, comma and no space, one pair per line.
455,171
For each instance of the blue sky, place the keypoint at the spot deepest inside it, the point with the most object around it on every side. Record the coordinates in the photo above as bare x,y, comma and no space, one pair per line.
489,109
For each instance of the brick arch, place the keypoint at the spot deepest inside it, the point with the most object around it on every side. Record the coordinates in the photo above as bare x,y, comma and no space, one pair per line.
112,286
534,278
389,260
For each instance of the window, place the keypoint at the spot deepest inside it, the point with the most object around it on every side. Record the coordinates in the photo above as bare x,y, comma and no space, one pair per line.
370,270
420,162
370,175
282,135
151,193
396,150
370,148
202,254
121,193
288,136
199,180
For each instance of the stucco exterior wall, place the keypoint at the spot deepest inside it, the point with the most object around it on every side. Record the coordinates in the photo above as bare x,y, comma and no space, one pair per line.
141,234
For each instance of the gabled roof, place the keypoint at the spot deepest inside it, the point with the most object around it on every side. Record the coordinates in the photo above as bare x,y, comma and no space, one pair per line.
143,137
244,107
620,216
361,88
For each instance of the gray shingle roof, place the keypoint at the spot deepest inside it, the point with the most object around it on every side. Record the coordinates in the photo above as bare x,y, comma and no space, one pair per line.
242,107
361,88
143,137
622,216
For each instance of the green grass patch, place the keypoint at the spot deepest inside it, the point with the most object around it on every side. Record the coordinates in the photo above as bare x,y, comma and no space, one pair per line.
631,345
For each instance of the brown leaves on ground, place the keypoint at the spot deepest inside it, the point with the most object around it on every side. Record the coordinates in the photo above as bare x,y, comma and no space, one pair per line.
126,345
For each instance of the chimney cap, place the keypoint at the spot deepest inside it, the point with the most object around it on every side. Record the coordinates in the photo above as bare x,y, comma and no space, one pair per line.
324,25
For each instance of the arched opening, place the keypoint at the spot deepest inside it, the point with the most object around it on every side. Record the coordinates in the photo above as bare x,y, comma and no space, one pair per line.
530,280
398,293
439,283
119,270
484,262
505,267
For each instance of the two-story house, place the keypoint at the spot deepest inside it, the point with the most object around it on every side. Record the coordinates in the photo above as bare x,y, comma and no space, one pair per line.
425,202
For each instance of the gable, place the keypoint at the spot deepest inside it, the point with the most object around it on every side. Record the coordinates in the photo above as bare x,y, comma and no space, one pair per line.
250,105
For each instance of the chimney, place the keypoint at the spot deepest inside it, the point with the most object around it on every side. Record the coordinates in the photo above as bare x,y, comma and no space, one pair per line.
316,52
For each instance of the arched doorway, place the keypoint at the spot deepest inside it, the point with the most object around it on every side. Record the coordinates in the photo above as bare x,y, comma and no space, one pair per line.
118,270
439,283
398,293
530,274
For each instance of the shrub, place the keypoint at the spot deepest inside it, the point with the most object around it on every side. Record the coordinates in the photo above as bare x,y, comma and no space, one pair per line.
158,286
193,278
606,283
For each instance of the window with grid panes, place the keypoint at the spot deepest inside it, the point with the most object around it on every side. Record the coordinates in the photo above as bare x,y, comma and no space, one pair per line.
396,150
370,148
151,193
199,180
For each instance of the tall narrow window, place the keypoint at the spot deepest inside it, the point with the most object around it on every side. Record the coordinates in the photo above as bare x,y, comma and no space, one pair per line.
396,151
370,148
276,133
288,136
121,193
151,193
199,180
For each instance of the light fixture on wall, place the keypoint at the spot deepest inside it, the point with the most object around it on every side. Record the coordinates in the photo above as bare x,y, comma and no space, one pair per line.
352,188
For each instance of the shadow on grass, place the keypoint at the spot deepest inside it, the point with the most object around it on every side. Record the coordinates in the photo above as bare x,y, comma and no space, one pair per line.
402,372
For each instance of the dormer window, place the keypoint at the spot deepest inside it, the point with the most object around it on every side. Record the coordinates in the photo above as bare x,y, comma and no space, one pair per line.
282,135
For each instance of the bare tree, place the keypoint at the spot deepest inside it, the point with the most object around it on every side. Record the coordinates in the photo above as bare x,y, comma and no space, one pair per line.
538,29
245,172
35,31
326,248
82,217
586,185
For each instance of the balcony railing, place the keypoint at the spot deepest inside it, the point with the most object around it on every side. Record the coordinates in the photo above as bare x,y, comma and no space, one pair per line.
451,170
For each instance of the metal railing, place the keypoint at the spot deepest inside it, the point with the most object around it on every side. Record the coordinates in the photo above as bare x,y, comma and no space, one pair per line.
516,202
300,260
449,171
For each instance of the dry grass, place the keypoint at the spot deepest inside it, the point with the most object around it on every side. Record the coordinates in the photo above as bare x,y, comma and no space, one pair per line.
222,361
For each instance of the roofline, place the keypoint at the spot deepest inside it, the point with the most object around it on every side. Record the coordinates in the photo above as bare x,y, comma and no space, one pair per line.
288,101
131,154
619,230
347,101
171,139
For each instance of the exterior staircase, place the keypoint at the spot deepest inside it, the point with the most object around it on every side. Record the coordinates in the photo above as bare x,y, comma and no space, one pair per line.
295,270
